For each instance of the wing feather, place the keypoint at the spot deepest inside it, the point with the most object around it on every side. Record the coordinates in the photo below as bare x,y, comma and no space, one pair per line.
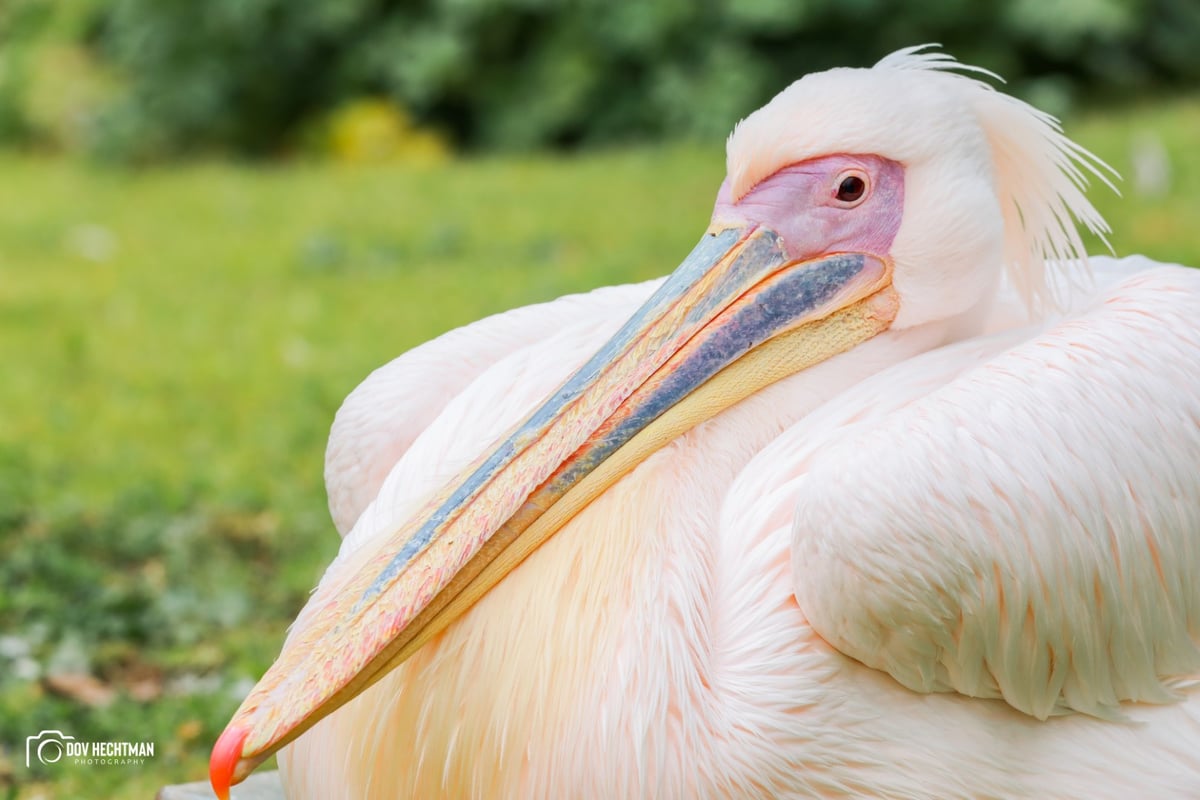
381,418
1029,529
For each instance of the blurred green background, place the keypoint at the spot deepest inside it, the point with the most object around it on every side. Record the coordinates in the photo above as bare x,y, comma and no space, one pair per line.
217,217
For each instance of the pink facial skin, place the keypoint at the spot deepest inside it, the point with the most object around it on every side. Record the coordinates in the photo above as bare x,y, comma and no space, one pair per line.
800,203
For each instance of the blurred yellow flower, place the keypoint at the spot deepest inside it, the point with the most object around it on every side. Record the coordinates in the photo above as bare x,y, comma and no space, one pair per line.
375,130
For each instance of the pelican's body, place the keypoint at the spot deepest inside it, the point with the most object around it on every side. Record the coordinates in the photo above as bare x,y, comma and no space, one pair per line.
653,648
958,559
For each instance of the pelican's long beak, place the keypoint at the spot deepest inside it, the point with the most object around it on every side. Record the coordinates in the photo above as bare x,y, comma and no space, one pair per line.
737,315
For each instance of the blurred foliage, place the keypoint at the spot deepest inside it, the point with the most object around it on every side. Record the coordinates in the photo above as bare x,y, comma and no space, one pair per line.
175,345
250,76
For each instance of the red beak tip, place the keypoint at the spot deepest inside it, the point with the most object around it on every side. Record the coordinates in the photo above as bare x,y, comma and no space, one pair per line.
226,754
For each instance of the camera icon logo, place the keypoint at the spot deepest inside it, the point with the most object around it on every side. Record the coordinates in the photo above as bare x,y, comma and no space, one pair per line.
47,747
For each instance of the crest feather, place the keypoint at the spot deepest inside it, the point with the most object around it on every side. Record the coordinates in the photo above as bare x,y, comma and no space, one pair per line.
1041,176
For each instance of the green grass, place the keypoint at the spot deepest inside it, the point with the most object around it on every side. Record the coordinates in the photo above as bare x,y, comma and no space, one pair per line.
1159,224
175,344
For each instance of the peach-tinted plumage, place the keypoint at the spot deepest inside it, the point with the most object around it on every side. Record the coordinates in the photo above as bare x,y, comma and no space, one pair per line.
956,560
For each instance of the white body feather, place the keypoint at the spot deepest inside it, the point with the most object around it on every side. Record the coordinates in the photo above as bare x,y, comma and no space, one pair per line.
655,647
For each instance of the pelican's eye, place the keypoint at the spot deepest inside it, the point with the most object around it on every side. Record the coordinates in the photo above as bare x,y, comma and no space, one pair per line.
851,188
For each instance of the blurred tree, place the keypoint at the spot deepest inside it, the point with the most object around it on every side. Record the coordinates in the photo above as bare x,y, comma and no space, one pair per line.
248,75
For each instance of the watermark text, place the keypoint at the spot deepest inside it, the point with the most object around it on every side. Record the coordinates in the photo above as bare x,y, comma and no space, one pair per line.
53,747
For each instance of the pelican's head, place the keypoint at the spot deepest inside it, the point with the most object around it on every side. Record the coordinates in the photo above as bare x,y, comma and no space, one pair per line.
856,201
918,163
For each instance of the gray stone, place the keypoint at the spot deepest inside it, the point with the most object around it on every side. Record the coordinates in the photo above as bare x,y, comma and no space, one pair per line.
260,786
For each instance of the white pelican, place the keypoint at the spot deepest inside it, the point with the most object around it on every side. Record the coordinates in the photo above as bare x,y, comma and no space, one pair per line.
834,516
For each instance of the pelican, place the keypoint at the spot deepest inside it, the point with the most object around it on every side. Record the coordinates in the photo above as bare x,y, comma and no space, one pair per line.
877,494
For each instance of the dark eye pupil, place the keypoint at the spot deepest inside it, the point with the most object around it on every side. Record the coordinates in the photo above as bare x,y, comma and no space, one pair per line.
851,189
